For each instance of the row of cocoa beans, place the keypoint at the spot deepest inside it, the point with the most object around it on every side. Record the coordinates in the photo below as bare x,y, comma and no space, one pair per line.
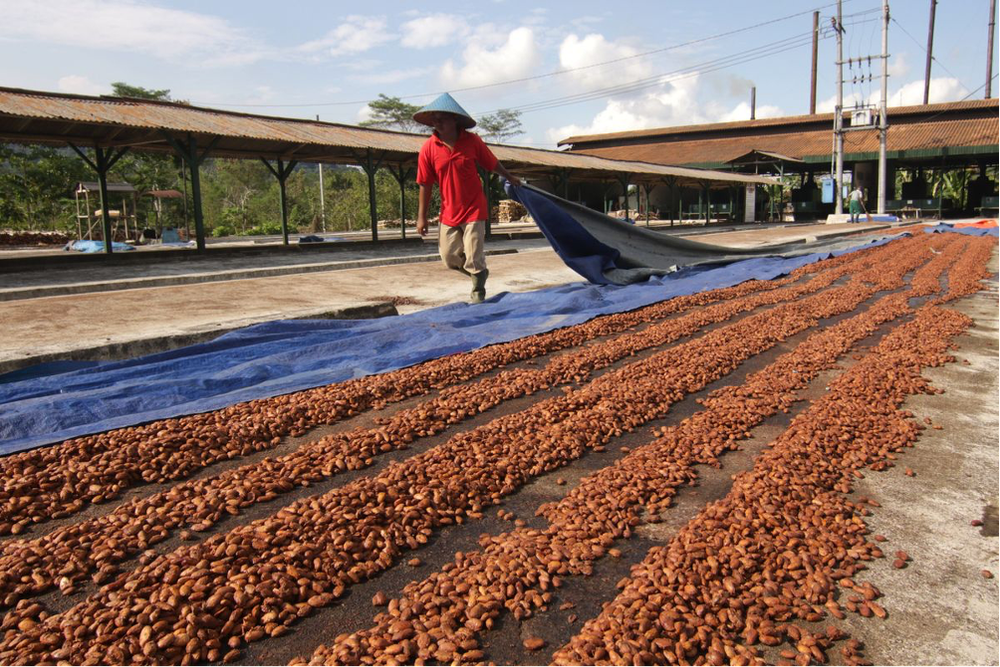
777,548
93,547
258,579
57,481
784,548
439,619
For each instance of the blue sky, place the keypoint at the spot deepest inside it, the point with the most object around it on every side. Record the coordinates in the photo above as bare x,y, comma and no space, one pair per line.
576,67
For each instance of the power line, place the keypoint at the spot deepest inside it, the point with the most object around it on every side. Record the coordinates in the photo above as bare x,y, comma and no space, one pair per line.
749,55
562,71
924,49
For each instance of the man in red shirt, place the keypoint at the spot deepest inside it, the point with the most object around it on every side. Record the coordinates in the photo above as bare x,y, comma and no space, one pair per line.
449,158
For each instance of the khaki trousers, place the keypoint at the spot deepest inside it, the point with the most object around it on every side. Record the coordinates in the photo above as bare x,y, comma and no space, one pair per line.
461,246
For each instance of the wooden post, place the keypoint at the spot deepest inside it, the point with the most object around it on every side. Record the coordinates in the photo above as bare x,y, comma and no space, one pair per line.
102,163
282,173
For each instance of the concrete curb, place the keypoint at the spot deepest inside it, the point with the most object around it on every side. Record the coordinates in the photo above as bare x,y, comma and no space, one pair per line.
18,293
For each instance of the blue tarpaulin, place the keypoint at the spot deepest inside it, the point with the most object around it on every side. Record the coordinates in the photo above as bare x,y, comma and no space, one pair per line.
943,227
96,246
52,402
608,251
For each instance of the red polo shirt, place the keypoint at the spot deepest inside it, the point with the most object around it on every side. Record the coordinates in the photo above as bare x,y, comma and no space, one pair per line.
462,196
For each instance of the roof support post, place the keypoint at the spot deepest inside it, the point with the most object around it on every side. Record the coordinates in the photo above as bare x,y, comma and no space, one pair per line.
102,163
371,167
708,201
671,182
282,173
188,151
560,182
624,180
646,187
604,196
402,173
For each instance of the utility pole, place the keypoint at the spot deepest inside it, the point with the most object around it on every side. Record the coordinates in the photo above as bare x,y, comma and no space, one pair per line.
930,50
812,84
838,115
989,50
322,200
883,129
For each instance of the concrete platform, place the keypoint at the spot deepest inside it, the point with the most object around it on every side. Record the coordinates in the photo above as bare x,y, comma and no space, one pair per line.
113,311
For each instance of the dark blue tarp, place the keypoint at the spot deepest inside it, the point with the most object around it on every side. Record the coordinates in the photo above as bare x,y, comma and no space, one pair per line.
53,402
608,251
943,227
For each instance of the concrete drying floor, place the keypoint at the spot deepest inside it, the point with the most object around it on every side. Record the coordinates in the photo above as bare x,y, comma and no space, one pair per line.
942,610
111,312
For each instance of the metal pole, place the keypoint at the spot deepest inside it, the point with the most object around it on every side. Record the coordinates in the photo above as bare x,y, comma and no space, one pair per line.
187,217
402,202
102,179
989,50
930,50
883,130
624,182
815,59
282,175
199,217
838,116
372,205
322,197
646,187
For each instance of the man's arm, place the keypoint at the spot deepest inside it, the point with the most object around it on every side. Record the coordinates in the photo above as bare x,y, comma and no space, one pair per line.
423,202
502,170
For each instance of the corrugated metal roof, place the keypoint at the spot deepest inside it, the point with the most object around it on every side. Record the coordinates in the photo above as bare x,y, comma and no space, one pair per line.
814,144
751,126
39,117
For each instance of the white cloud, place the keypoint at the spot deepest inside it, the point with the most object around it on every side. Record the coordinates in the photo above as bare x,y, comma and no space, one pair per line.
391,76
433,31
742,112
898,67
575,53
515,57
356,34
363,114
80,85
944,89
130,26
677,102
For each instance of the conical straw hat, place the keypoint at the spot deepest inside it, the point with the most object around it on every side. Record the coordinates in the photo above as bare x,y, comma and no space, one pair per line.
446,103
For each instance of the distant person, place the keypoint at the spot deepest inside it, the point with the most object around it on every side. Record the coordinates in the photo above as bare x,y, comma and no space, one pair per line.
856,202
449,158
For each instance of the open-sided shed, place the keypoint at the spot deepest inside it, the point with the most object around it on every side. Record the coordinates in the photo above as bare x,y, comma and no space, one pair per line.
111,126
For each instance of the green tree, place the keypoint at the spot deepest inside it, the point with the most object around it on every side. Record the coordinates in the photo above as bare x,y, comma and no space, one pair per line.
238,193
122,89
36,185
500,126
393,113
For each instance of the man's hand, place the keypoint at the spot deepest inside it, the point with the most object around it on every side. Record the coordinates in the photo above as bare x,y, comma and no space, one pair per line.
511,178
422,226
